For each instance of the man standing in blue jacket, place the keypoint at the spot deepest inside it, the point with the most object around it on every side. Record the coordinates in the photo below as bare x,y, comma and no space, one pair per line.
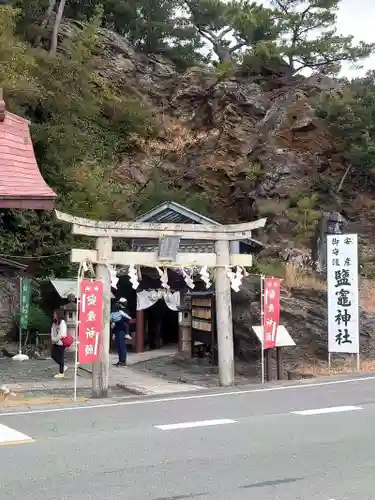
120,330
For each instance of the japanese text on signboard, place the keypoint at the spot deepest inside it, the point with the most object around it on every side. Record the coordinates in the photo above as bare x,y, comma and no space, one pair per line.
90,320
342,276
271,311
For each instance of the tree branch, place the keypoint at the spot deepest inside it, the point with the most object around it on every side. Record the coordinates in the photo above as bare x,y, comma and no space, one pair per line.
208,34
236,47
318,64
310,28
306,11
282,6
56,27
45,20
343,178
297,32
225,32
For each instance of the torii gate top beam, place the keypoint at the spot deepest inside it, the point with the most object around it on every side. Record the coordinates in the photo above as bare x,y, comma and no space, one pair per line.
87,227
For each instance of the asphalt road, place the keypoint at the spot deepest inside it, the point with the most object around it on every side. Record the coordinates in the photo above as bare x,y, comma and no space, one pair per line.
242,445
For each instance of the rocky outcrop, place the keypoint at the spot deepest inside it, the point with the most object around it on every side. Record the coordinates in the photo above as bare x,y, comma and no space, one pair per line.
245,142
303,313
252,146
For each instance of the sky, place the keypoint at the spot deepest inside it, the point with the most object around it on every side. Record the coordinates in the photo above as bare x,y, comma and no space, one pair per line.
355,17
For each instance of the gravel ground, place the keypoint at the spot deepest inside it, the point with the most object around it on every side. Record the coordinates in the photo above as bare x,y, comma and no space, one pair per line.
196,371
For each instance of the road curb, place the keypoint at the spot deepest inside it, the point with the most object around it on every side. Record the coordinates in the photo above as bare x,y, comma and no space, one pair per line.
138,391
43,400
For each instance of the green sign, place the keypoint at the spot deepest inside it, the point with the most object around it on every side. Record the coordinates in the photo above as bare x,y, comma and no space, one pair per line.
25,294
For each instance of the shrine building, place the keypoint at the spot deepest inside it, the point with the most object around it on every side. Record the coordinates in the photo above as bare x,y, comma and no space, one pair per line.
178,315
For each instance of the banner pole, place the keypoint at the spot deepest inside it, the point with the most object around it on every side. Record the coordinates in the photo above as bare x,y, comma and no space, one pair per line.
262,325
20,322
20,356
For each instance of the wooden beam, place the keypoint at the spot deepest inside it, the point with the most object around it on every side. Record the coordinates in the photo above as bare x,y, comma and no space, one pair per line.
241,259
150,259
80,254
129,229
187,234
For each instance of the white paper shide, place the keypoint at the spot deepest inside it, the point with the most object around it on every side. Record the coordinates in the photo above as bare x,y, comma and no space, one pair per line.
342,277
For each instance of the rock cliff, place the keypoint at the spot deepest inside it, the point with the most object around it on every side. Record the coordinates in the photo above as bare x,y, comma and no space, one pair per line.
250,145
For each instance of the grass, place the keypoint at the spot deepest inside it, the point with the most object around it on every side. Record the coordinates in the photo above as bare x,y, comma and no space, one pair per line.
293,277
296,277
349,365
32,400
176,138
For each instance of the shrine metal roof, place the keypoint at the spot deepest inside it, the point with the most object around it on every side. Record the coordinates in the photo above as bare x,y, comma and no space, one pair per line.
66,287
170,211
21,183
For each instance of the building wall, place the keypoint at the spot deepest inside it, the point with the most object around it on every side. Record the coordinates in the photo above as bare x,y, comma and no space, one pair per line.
9,302
186,246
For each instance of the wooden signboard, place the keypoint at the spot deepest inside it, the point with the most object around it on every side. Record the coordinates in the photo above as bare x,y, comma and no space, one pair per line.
203,323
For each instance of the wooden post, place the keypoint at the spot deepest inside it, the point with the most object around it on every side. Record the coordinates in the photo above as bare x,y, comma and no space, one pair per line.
224,322
100,369
279,363
140,332
267,364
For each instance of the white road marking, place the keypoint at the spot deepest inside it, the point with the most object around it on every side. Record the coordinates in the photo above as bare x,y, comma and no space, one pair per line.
188,425
11,436
321,411
166,399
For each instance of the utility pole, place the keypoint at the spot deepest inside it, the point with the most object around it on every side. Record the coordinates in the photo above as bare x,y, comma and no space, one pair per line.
224,315
100,369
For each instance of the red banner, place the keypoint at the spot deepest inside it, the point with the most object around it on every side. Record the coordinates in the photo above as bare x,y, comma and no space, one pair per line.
271,310
90,320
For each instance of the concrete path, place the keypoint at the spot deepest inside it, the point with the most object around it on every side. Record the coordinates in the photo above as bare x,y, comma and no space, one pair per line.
134,358
37,376
291,442
139,382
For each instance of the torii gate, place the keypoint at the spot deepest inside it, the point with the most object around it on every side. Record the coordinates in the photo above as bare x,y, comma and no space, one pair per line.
222,259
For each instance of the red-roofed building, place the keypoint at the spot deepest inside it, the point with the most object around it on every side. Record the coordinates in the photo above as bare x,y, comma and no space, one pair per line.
21,183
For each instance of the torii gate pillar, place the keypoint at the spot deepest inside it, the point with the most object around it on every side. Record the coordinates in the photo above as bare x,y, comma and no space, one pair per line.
224,315
100,369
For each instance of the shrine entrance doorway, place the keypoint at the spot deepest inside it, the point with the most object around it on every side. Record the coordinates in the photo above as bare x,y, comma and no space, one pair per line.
161,326
156,309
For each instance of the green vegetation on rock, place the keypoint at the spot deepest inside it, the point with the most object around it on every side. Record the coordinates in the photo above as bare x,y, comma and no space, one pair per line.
305,218
85,124
351,116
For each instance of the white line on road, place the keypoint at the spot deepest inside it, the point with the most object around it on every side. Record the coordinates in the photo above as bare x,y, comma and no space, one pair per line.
321,411
10,436
188,425
166,399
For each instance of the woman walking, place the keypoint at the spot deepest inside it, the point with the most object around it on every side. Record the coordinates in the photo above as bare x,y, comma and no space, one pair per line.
58,332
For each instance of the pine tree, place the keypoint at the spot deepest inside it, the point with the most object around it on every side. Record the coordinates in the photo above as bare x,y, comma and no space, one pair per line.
230,27
309,37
